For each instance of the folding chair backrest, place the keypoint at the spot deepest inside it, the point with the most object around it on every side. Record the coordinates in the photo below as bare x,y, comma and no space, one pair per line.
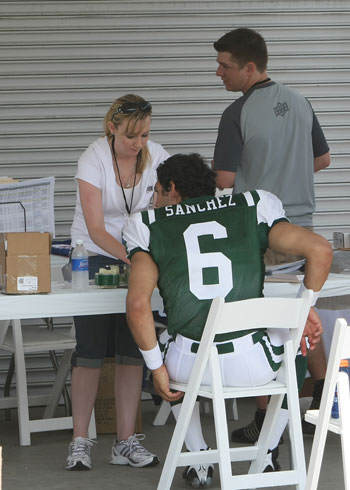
340,349
288,313
345,353
237,316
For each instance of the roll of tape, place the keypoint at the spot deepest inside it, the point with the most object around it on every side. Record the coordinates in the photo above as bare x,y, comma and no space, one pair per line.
107,280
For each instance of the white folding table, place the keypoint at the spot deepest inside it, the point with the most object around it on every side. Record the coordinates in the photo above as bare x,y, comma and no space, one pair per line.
61,302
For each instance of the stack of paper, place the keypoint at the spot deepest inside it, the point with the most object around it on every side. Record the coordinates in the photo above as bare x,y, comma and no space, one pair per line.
288,272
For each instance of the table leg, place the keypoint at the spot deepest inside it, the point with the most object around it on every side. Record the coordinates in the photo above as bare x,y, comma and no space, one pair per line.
21,384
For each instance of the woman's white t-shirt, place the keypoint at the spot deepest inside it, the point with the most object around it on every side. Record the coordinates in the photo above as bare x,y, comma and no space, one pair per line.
95,166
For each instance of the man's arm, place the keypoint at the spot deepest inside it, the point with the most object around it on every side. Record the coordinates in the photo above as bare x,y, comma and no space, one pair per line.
322,161
292,239
288,238
142,281
225,179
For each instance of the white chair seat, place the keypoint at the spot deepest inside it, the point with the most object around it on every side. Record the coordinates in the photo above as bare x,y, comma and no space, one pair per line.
333,424
30,339
274,387
37,339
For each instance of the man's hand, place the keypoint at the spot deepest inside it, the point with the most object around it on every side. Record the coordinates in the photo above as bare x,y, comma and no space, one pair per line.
313,330
161,384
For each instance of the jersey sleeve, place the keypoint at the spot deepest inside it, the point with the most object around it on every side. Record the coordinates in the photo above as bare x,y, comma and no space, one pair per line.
136,235
270,209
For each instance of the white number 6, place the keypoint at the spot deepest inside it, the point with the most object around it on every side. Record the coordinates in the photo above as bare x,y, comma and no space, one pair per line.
198,261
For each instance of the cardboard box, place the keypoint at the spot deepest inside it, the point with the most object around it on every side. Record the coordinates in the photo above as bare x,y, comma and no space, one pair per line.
106,422
25,262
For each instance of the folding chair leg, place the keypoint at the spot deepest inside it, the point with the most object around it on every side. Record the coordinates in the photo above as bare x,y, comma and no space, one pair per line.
162,414
21,385
265,434
7,386
176,443
92,426
232,409
59,383
221,429
344,409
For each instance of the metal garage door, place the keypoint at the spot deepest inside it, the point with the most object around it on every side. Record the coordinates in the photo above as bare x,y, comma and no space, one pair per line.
62,63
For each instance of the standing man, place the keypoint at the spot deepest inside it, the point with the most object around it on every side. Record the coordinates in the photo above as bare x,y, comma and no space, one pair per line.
196,247
268,139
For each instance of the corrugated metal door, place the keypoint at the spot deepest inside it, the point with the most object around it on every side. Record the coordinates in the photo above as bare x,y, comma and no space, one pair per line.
63,63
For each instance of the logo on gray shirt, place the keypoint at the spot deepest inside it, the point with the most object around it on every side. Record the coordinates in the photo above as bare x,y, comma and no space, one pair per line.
281,109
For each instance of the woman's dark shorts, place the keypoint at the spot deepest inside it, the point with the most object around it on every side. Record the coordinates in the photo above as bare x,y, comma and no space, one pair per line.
100,336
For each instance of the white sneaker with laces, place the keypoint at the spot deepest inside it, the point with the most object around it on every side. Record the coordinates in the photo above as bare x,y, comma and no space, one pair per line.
79,454
130,451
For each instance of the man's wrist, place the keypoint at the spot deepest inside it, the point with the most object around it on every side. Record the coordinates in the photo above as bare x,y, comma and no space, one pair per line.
315,294
153,357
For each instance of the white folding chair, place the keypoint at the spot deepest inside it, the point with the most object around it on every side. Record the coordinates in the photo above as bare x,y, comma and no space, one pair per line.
32,339
228,317
340,349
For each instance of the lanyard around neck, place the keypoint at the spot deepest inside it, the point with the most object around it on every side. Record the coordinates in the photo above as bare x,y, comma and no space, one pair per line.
128,209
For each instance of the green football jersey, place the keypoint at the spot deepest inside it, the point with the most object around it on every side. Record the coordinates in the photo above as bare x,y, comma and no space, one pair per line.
206,247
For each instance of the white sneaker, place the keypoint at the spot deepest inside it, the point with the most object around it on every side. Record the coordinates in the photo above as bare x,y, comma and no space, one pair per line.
130,451
79,454
199,475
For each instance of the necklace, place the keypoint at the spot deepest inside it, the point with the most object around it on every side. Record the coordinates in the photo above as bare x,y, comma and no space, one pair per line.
127,185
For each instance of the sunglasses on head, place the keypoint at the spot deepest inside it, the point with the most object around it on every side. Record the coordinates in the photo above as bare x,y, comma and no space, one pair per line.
130,107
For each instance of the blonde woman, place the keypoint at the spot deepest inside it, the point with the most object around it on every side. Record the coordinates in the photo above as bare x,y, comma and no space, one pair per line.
116,177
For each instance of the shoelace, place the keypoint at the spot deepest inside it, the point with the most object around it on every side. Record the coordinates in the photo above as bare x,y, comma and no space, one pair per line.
134,443
82,446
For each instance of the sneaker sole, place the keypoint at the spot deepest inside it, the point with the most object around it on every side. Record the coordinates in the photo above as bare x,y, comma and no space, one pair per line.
79,466
199,485
121,460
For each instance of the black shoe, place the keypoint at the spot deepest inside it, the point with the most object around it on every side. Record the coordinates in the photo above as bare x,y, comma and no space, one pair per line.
250,433
271,462
309,429
199,475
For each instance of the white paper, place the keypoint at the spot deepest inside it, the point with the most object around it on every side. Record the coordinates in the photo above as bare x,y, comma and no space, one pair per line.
28,206
284,268
27,283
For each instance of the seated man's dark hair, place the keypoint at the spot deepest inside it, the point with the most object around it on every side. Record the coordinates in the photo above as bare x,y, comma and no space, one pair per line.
244,45
191,176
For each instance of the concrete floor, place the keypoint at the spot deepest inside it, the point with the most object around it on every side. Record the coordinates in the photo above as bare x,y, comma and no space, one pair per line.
41,465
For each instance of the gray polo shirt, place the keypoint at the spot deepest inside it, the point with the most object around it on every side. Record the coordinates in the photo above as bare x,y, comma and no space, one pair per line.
270,137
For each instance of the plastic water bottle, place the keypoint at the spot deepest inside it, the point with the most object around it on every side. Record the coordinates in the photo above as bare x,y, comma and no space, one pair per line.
335,406
80,267
344,366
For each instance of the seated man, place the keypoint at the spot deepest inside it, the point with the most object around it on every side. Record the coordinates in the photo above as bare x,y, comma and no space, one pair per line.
196,247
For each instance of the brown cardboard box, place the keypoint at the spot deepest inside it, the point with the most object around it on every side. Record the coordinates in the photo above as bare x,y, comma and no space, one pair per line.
104,404
25,262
